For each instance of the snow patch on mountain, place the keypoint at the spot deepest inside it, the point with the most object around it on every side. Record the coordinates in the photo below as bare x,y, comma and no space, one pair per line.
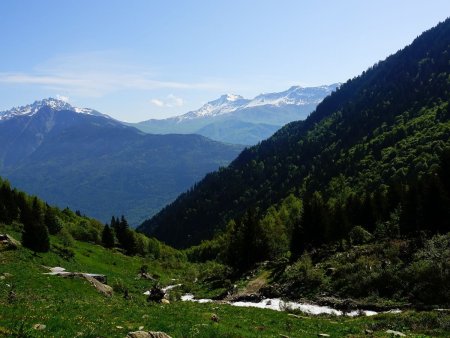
228,103
54,104
225,104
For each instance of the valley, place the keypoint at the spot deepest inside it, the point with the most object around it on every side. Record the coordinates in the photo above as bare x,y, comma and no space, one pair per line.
317,211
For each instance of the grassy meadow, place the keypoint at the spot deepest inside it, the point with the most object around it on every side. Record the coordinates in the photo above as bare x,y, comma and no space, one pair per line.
71,307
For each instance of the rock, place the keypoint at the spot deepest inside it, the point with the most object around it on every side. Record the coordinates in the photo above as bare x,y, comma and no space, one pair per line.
141,328
146,275
367,331
323,335
101,278
283,336
147,334
39,327
215,318
156,294
396,333
102,288
250,297
7,242
165,301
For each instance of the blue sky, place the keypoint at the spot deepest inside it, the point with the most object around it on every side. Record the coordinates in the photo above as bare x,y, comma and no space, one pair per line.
137,60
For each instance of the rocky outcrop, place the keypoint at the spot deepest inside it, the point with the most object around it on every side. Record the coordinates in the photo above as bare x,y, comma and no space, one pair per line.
97,280
102,288
7,242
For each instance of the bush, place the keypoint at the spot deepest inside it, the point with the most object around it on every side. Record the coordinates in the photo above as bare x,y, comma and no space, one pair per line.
86,231
206,251
304,276
429,273
65,238
64,252
358,235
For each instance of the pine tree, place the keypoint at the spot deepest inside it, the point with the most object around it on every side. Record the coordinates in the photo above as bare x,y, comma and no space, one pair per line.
35,234
108,237
125,236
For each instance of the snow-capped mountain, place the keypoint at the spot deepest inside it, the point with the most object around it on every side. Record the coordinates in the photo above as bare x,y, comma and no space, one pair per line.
296,95
80,158
229,103
225,104
235,119
53,104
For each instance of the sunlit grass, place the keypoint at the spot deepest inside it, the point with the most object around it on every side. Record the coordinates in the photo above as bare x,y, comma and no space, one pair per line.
73,308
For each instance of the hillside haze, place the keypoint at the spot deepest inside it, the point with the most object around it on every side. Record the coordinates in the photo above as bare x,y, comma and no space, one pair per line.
233,119
80,158
387,126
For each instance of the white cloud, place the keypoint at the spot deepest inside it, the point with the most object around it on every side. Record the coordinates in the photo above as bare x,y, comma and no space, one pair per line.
95,75
170,101
158,103
174,101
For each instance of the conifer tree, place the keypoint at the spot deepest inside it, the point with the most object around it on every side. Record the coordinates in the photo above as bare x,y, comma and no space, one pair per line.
108,237
35,233
125,236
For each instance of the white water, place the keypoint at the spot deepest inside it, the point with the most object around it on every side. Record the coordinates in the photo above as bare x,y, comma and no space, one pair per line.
280,305
189,297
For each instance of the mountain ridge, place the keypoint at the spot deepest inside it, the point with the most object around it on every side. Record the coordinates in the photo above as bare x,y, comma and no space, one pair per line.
55,104
275,109
98,165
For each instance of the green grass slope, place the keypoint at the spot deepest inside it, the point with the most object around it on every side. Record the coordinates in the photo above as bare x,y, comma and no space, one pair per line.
70,307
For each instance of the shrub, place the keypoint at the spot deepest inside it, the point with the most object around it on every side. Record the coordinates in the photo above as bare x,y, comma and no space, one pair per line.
429,273
358,235
303,275
65,238
63,251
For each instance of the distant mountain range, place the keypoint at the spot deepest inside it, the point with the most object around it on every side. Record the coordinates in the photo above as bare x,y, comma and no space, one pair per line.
234,119
86,160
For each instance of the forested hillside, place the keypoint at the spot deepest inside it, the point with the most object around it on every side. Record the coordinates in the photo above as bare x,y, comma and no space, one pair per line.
37,222
368,147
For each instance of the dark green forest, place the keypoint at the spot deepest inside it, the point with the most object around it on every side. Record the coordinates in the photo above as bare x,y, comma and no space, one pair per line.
352,202
370,152
37,221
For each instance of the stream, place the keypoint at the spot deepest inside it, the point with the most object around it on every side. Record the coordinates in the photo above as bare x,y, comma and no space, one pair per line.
279,305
